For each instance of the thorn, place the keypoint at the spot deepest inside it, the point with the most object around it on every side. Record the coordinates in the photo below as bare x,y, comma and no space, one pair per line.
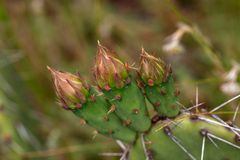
223,122
225,103
144,146
190,108
112,109
217,123
98,42
235,114
95,132
122,146
203,147
176,141
223,140
110,154
82,122
212,141
197,111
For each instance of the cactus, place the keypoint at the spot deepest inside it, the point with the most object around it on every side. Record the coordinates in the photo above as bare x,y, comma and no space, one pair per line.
159,85
121,90
88,104
118,109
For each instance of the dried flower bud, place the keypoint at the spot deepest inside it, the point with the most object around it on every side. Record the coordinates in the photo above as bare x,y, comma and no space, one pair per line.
152,70
109,71
70,89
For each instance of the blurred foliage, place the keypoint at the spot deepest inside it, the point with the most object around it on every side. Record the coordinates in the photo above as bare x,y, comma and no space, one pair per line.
63,34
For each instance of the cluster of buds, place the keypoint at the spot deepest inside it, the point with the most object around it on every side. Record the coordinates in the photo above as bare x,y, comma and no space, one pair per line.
70,89
109,71
152,70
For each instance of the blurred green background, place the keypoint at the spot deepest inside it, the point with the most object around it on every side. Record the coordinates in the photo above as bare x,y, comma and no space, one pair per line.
63,34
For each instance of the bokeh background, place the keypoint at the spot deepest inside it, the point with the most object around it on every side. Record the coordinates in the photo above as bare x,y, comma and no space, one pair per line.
63,34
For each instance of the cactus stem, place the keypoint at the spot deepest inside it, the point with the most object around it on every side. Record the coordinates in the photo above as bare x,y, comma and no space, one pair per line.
203,147
110,132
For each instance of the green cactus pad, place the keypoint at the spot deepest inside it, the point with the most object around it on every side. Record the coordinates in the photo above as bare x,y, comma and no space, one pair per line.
189,134
95,113
130,106
164,98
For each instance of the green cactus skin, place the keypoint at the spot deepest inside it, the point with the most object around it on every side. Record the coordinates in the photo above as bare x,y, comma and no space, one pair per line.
95,113
130,106
164,97
160,145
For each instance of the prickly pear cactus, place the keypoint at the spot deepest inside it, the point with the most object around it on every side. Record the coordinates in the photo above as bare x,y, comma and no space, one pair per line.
116,107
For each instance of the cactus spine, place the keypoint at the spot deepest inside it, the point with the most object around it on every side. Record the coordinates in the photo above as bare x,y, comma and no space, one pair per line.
119,111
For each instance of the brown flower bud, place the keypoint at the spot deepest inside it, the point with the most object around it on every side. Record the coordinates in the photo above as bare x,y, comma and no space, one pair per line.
70,89
109,71
152,70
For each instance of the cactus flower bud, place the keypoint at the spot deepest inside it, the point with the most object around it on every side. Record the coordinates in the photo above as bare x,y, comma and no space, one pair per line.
109,71
152,70
70,89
